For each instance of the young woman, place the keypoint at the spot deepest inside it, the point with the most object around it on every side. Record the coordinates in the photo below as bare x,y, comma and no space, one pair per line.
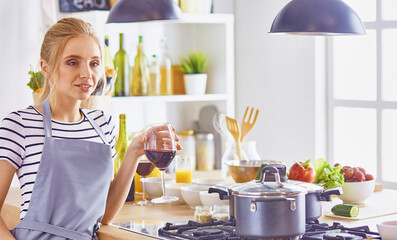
63,155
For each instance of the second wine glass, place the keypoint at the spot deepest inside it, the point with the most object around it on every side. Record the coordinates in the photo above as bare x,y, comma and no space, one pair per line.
144,169
160,149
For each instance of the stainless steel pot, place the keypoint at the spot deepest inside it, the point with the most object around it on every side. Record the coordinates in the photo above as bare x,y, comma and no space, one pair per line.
315,195
225,192
269,209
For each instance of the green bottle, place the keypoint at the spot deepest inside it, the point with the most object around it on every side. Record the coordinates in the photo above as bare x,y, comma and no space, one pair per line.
121,86
121,145
141,74
108,58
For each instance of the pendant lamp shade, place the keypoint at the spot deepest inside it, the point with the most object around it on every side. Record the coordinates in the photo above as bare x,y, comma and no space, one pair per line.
318,17
124,11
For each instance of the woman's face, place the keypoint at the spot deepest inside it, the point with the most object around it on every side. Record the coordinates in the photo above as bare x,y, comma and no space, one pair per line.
79,68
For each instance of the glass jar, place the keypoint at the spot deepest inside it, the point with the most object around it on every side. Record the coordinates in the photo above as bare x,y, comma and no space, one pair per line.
221,212
203,214
230,154
188,143
249,149
205,151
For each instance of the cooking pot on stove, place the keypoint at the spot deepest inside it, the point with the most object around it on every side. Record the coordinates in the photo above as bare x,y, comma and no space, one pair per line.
315,195
225,192
268,209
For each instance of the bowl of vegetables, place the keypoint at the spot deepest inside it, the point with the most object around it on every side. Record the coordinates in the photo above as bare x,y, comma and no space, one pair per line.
358,185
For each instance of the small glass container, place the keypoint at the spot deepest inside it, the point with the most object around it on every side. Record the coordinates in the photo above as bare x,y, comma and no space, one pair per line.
205,151
221,212
203,214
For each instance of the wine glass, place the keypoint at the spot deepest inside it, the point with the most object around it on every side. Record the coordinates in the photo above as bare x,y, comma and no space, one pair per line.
160,149
144,169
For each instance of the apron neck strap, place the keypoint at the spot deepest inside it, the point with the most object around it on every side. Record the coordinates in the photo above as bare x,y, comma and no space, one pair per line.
46,112
94,125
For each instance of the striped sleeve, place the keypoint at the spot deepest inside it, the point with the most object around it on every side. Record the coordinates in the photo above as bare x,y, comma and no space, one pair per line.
12,139
110,133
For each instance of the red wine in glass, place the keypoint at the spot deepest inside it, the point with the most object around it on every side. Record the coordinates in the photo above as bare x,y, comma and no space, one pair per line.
144,168
160,148
160,158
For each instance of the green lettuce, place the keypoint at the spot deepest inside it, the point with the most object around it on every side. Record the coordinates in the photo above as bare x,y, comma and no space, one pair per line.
327,175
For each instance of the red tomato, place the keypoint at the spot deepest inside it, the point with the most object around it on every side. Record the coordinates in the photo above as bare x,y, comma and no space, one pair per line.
362,170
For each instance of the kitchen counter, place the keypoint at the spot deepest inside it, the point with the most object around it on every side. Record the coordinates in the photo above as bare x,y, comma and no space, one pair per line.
166,212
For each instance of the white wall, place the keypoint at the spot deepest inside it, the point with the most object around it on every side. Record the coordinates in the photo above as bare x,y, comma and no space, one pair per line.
279,75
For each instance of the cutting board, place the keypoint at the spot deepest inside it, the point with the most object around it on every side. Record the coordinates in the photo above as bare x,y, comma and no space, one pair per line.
365,213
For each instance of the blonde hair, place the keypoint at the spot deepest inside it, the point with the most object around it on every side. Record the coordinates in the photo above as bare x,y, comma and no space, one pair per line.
54,43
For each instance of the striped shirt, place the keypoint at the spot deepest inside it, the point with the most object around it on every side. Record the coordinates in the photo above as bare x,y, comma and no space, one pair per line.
22,141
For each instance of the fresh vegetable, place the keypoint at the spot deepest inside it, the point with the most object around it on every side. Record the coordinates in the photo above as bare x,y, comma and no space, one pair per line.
259,173
36,81
302,171
346,210
355,174
327,175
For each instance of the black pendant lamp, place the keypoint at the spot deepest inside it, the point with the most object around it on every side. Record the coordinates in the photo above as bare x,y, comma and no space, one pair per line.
318,17
124,11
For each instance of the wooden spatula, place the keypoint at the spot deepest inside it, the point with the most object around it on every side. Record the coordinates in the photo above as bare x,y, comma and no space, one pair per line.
248,123
234,129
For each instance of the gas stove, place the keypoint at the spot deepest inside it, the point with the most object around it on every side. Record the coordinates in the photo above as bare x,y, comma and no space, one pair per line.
225,230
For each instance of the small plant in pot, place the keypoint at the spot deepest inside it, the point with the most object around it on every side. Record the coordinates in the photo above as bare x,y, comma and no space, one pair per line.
36,84
194,77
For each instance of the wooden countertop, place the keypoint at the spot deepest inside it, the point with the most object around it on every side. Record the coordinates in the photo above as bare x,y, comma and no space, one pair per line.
167,212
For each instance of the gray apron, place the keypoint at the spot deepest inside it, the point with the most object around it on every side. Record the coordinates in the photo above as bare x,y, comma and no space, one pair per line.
71,188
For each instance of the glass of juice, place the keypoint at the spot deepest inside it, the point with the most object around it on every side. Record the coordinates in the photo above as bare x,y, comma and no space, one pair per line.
144,168
160,149
183,169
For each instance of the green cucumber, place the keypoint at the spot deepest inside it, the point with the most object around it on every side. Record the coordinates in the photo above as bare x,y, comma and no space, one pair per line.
346,210
259,173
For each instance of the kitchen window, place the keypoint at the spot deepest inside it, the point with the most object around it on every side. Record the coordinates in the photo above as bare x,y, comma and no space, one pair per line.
362,93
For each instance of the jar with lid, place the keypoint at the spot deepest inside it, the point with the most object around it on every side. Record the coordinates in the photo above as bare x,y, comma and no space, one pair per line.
221,212
205,151
188,143
203,214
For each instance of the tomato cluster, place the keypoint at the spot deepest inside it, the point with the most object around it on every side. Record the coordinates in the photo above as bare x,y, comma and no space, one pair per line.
355,174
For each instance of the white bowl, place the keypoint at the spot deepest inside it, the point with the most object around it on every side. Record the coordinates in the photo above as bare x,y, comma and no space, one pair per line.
174,189
191,195
388,230
211,199
357,192
207,181
153,186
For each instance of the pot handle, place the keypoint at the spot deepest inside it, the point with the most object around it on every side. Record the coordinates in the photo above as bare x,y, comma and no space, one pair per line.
271,169
326,194
223,194
292,201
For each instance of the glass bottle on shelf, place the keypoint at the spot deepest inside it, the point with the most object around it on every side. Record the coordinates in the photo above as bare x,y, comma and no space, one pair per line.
141,74
121,86
121,145
165,69
154,83
107,57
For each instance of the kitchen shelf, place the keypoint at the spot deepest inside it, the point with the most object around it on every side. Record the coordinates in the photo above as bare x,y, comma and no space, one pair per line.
171,98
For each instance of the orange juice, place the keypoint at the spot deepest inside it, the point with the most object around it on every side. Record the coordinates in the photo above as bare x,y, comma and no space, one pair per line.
183,176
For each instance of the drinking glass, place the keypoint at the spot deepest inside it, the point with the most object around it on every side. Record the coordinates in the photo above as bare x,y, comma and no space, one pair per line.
160,149
144,169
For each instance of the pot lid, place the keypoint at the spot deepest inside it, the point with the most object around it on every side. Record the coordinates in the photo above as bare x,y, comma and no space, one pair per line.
310,187
268,189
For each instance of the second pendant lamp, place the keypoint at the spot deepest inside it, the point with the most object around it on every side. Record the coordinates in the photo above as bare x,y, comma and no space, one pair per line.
318,17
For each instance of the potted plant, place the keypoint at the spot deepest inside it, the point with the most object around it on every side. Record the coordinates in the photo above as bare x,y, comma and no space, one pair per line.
194,77
36,84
